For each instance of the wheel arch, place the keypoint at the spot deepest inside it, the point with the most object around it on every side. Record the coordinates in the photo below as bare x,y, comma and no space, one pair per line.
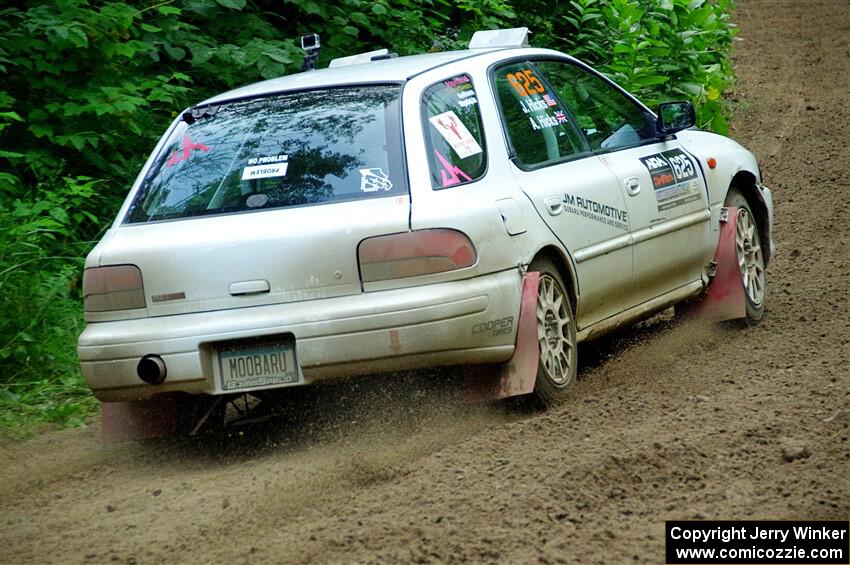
564,264
746,183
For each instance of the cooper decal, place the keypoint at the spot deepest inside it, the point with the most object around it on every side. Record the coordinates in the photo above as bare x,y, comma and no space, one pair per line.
494,327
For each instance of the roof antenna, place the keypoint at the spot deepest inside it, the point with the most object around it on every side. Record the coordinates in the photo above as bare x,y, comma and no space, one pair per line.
310,44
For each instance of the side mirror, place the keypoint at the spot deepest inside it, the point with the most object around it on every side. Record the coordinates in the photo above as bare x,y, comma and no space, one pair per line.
675,116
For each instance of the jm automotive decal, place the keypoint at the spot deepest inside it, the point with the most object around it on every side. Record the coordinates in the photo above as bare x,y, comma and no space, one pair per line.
596,211
674,178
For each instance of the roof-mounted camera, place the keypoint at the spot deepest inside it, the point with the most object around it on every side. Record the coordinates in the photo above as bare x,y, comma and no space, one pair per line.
310,44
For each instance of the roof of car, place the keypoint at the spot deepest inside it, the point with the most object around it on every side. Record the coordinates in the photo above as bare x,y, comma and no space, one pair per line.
386,70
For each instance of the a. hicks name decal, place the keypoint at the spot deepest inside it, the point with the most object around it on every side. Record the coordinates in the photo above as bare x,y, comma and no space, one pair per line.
674,178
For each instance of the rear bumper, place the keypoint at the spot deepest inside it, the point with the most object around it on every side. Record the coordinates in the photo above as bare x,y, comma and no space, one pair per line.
439,324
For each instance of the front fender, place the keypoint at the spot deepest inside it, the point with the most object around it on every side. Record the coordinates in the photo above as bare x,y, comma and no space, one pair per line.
734,166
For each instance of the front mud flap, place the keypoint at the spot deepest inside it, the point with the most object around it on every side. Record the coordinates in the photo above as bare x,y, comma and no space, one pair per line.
140,419
725,298
515,377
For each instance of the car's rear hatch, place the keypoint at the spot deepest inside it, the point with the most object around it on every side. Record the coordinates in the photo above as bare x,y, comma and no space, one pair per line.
265,201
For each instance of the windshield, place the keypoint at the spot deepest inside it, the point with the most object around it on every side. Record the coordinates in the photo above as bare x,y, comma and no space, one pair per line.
274,152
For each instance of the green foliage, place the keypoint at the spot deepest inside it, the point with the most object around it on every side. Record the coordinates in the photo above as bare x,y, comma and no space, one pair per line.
88,87
659,50
40,264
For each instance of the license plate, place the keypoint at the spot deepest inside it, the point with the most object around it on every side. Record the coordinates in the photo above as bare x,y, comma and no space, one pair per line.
257,365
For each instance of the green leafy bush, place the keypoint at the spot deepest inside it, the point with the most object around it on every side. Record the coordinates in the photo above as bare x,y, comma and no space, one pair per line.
40,265
88,87
657,49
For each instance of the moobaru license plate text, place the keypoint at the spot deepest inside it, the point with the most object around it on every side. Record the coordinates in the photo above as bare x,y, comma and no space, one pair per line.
248,367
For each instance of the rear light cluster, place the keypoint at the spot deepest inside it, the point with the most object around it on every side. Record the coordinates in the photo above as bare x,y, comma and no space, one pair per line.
420,252
118,287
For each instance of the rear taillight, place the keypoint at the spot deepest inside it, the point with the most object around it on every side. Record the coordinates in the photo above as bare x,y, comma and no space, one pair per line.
118,287
420,252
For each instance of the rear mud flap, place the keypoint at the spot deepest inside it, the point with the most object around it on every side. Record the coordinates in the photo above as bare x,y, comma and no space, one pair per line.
141,419
725,298
515,377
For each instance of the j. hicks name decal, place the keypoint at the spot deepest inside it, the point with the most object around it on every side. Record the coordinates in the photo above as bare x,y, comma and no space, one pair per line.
674,178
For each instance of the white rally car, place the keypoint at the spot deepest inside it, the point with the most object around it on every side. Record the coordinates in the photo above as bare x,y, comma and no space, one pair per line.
387,212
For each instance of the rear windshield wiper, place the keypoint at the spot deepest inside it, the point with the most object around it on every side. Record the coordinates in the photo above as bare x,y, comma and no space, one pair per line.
192,115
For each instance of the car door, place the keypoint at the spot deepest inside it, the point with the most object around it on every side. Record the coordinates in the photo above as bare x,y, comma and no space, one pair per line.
573,192
662,184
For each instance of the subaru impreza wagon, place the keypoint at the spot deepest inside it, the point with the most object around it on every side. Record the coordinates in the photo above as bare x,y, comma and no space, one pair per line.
381,214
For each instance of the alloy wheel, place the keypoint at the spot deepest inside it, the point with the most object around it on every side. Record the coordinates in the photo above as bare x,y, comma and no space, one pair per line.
557,352
750,258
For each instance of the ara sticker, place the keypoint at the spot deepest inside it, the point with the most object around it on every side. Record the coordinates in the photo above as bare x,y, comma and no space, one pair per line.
453,131
183,154
274,166
674,178
374,180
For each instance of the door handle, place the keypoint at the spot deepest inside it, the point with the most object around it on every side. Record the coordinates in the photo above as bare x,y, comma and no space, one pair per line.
554,205
632,186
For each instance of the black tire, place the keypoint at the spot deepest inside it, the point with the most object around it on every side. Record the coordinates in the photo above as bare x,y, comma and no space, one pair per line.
750,257
556,332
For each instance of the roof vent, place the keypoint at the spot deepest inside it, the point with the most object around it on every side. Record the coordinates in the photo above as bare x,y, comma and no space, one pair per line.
492,38
361,58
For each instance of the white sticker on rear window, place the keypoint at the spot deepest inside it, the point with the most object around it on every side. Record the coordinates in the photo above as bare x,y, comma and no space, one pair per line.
265,171
453,131
267,159
373,180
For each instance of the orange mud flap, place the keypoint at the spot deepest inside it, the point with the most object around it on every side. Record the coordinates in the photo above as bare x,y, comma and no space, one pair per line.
725,298
140,419
515,377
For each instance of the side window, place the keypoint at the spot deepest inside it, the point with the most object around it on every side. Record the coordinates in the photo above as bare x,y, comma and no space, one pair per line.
454,134
607,117
539,126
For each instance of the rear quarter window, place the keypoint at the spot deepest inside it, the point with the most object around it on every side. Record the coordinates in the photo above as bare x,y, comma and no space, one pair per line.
453,132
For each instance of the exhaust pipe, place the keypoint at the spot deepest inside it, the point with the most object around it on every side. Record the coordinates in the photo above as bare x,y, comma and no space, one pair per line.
151,369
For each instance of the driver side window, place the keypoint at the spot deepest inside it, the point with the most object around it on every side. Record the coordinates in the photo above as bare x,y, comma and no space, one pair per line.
607,117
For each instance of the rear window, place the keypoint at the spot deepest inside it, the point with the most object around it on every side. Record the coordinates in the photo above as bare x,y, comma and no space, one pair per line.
280,151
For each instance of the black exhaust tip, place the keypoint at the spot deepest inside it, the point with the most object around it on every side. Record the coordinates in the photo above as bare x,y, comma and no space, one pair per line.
151,369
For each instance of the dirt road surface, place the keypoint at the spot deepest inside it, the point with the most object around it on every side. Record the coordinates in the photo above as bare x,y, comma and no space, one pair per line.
672,421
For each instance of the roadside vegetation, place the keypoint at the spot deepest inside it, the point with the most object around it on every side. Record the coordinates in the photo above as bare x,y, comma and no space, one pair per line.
87,88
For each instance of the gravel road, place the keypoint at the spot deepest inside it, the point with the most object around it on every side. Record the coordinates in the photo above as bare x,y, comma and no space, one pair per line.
671,421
